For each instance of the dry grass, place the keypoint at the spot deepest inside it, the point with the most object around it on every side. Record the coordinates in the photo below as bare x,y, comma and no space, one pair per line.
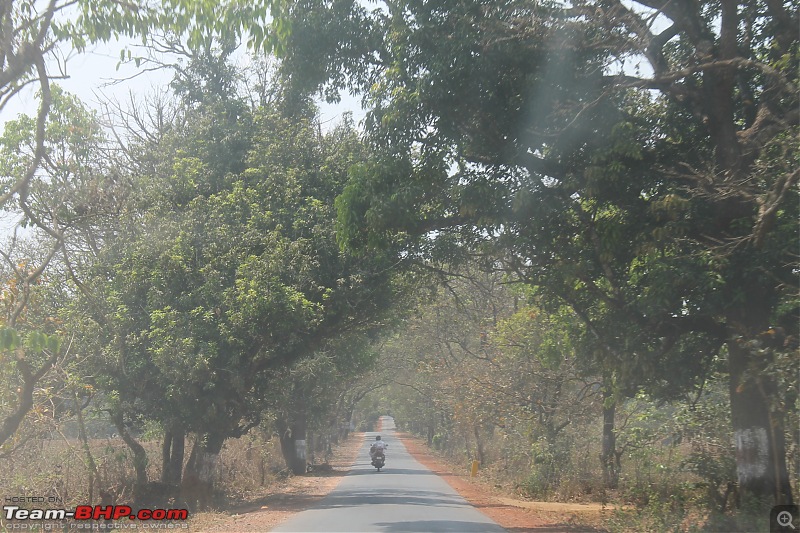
56,469
283,499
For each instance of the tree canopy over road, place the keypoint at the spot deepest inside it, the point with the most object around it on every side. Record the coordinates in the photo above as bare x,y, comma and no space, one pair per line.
637,163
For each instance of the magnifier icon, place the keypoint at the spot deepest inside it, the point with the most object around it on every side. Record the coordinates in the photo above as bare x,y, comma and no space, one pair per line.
785,519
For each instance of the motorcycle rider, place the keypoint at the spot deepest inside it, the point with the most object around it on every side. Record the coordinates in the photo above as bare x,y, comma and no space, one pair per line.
378,446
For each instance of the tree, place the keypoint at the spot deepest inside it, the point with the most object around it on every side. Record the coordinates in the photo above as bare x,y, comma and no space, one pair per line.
35,33
225,269
478,361
72,190
657,200
33,40
309,391
347,296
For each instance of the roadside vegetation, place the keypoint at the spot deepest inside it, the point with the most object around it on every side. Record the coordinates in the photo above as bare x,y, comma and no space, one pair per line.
56,469
483,375
176,276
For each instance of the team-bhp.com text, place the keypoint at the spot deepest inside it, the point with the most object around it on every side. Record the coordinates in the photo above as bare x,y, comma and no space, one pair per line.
96,512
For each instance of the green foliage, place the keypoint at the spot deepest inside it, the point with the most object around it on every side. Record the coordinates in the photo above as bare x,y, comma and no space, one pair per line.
9,339
75,183
224,277
657,207
549,468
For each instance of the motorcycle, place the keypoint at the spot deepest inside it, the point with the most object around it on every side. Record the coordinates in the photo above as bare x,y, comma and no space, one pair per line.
378,460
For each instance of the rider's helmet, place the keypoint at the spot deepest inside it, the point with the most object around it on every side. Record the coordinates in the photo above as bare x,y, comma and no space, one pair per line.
378,437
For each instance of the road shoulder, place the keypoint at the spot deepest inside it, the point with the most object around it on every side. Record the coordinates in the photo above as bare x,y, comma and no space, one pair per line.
513,515
296,494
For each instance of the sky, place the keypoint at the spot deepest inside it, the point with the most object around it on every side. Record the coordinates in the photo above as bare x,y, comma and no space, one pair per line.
96,74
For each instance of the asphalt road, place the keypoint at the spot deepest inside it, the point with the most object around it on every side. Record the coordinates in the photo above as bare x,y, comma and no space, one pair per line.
403,497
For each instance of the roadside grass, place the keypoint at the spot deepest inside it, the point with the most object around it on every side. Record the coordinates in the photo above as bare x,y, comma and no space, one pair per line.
56,469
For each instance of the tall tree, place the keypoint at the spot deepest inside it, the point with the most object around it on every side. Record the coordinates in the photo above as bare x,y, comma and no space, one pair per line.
36,40
71,191
638,162
225,268
35,35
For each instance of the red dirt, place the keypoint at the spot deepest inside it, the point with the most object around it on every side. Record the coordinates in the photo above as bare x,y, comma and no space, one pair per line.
513,515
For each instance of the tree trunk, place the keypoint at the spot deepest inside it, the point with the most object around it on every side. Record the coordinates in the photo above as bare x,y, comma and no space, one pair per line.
178,451
11,423
166,454
479,445
349,418
172,453
756,417
311,452
756,412
608,455
467,446
758,428
333,429
139,453
431,431
292,435
84,438
200,474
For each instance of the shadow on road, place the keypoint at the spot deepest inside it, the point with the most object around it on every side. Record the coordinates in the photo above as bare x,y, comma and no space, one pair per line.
389,470
554,528
438,526
353,498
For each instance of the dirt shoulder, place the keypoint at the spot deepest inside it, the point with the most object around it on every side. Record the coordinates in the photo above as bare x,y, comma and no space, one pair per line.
513,515
296,494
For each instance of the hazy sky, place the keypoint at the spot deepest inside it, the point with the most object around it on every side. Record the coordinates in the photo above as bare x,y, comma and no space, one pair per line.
93,76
